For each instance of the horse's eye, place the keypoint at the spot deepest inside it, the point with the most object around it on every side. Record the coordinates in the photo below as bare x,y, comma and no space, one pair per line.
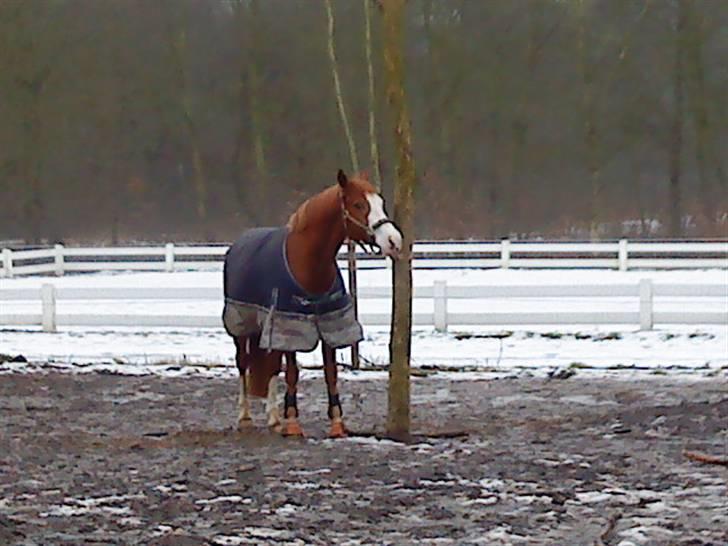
359,206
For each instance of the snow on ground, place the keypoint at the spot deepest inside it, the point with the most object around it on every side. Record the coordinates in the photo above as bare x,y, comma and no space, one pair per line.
496,350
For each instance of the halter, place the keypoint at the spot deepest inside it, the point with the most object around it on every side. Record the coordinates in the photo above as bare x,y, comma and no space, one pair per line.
371,231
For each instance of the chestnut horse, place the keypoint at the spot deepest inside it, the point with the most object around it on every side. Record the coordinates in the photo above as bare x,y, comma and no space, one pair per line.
284,292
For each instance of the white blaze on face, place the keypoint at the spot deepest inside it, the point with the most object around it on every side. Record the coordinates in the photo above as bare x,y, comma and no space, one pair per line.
388,237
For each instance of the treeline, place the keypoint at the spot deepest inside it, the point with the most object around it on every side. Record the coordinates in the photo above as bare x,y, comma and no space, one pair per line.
193,119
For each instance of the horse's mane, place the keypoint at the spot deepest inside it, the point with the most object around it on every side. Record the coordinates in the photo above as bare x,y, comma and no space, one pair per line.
301,218
324,201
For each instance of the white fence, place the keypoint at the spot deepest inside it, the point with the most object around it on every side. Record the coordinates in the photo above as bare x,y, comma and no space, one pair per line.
622,255
643,294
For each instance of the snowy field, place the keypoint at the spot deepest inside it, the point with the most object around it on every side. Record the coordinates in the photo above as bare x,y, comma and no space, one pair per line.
696,350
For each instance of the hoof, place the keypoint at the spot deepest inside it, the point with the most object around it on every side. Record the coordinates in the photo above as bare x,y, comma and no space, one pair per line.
245,424
338,430
292,428
275,427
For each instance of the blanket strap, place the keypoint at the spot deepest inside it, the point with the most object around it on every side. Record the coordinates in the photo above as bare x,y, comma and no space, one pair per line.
269,319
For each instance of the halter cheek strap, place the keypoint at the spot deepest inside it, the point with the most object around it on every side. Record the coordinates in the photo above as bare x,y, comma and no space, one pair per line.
349,218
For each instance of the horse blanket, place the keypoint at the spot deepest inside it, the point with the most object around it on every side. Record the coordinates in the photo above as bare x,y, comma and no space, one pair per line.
262,297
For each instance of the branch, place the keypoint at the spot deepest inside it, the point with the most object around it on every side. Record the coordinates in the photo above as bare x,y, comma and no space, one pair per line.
706,459
374,148
337,89
611,525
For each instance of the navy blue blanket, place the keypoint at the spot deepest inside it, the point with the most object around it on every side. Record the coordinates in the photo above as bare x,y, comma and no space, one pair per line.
256,272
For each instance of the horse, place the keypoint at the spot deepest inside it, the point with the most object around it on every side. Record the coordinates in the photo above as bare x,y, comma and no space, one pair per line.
284,293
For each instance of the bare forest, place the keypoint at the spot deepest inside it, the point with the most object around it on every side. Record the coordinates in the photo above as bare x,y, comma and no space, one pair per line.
131,120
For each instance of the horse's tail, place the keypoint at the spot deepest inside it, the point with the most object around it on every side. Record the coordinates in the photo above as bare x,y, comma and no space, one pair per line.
262,366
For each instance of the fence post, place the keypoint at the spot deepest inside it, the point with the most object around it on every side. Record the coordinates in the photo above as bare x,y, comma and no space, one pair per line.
169,257
440,301
48,299
505,253
623,254
646,317
58,256
8,262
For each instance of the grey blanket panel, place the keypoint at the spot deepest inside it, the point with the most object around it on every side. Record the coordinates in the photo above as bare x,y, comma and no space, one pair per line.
291,331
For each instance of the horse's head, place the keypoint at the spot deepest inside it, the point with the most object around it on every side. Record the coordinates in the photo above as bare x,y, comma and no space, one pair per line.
365,216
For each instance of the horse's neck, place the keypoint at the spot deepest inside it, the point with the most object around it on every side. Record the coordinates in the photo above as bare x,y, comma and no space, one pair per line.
312,250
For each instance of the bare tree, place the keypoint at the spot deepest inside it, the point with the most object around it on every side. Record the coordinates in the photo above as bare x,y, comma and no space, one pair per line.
180,52
698,100
588,98
30,64
163,113
398,421
250,131
676,136
373,141
337,88
354,162
256,105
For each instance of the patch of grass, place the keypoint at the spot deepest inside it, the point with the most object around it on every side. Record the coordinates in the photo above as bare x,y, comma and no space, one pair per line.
580,366
416,372
622,367
611,336
552,335
434,368
562,373
705,335
7,358
497,335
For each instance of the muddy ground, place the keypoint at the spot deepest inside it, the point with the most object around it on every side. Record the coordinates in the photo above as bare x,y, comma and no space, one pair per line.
106,459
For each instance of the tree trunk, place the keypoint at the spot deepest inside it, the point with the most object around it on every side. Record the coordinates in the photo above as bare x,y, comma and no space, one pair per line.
590,127
440,90
237,176
35,209
698,105
199,180
249,124
513,217
676,138
398,421
256,112
516,220
199,177
373,144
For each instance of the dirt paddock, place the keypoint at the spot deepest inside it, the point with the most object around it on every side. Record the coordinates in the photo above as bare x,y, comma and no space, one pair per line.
108,459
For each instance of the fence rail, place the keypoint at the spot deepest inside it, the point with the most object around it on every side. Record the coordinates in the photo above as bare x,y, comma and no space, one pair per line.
622,255
642,294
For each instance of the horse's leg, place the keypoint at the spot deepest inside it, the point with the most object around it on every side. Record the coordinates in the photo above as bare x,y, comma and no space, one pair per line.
335,413
291,426
271,405
241,359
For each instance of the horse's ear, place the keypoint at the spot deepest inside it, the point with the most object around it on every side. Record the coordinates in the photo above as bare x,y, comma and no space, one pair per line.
364,175
341,177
